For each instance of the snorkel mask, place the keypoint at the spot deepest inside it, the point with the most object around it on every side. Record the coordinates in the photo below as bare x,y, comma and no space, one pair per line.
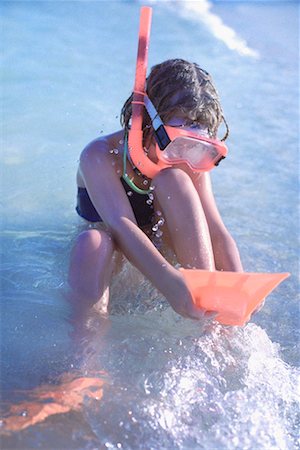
174,145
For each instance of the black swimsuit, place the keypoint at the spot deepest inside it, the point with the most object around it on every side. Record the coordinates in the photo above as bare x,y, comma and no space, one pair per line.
142,211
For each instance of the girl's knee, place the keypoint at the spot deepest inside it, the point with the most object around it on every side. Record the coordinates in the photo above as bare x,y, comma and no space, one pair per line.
171,179
95,240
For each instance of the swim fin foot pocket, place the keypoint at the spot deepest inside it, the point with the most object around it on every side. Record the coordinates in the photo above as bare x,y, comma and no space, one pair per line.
234,296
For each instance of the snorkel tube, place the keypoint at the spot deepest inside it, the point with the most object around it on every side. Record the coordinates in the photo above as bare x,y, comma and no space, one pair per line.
135,135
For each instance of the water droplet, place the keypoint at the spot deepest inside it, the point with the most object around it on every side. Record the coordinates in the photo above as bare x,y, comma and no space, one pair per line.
169,197
161,222
24,413
152,188
145,182
159,233
121,141
159,213
149,202
116,151
111,150
129,193
155,227
118,171
151,196
164,265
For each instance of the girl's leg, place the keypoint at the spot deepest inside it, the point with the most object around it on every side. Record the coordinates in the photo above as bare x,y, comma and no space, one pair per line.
185,218
91,267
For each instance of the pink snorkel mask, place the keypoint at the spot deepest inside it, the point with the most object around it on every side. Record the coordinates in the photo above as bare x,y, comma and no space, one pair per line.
182,145
174,145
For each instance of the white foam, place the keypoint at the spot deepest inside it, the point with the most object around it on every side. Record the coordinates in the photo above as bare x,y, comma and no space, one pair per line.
201,10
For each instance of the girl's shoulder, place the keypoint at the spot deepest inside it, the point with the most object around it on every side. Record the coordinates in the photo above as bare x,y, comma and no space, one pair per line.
102,144
104,147
105,150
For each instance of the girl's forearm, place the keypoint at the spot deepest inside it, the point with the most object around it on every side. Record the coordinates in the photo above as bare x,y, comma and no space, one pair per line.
226,253
141,252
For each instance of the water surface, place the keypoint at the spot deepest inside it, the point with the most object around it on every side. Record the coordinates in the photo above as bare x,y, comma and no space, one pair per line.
168,383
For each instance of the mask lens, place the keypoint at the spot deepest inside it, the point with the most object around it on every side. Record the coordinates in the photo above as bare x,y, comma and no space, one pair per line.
198,154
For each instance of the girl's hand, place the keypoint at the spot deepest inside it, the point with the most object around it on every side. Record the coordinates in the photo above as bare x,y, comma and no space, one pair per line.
182,302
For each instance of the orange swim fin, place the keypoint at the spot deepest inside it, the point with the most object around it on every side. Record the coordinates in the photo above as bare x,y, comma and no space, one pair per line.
233,295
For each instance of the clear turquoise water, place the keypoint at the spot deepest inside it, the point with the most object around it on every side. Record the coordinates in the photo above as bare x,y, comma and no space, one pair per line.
67,68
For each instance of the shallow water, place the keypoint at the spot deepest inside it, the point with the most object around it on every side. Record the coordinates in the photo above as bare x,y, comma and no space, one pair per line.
168,383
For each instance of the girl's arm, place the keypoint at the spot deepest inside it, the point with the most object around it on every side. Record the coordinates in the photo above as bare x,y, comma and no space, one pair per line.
109,198
224,247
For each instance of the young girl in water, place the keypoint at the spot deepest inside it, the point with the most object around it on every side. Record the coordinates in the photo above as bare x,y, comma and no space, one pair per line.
180,210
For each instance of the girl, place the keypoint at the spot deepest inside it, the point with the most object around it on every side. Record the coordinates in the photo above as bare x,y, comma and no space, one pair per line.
180,207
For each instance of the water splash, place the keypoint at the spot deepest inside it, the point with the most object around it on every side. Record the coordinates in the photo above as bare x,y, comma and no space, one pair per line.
220,388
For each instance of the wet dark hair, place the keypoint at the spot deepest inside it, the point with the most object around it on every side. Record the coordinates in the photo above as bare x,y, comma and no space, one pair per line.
178,88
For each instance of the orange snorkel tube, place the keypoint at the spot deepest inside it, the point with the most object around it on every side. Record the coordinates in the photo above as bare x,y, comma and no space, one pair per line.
135,135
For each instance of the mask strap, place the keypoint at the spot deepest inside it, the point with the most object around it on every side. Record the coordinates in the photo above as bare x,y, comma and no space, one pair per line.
160,133
227,130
